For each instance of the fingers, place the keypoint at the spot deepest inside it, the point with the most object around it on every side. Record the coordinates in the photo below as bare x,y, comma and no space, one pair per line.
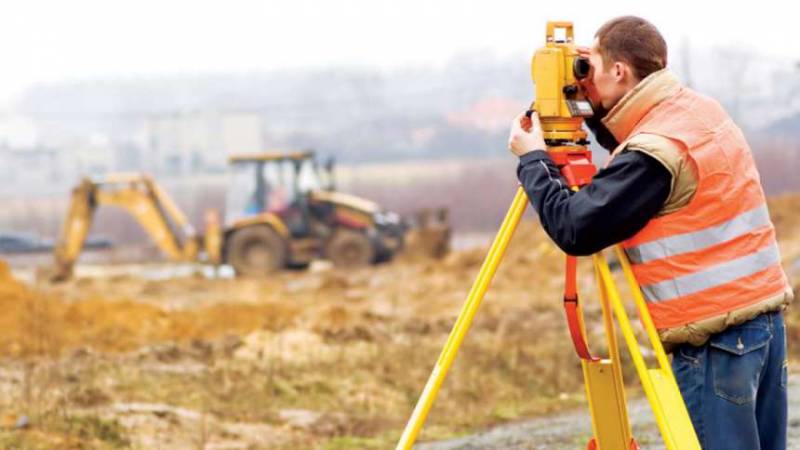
525,123
520,123
534,121
525,134
516,124
517,129
590,90
583,51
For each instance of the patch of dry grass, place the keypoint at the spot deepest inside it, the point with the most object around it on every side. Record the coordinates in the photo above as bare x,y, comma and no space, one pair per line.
324,360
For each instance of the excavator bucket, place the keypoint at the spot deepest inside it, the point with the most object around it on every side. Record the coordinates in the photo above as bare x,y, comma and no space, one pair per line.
429,236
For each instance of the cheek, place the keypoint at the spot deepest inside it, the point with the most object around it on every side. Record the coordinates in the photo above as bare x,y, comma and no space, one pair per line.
599,81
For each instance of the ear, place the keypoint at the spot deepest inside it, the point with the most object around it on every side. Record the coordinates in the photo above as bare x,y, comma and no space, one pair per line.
623,74
619,71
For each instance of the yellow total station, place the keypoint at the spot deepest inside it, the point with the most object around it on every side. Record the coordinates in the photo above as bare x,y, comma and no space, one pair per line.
560,103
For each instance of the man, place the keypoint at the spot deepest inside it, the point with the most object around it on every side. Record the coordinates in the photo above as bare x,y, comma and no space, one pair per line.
683,197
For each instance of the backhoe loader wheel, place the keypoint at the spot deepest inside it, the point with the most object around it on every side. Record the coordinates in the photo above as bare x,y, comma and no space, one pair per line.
350,249
256,251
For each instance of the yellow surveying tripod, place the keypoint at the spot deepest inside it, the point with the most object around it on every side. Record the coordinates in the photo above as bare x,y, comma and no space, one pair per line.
562,106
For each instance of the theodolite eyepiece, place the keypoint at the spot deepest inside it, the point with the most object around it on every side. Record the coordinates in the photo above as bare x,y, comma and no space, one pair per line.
581,68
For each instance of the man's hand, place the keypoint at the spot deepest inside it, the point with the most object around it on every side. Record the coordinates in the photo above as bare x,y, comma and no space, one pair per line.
586,84
526,135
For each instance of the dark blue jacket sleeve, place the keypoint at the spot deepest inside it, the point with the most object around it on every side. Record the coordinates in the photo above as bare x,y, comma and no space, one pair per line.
620,200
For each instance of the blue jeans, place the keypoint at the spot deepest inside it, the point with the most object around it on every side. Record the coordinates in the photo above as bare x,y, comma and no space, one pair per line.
734,386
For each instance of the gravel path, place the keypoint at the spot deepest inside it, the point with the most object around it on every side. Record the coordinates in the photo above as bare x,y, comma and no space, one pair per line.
572,430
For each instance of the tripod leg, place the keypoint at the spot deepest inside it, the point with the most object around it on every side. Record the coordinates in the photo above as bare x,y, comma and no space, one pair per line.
605,389
644,313
464,321
659,384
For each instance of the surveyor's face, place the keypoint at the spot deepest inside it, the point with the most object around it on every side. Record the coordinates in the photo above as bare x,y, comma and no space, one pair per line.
608,81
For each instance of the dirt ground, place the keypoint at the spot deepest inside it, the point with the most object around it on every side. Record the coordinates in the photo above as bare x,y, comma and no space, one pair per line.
319,359
572,429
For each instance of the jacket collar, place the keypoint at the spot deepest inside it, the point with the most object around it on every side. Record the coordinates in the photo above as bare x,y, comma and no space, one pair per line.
630,109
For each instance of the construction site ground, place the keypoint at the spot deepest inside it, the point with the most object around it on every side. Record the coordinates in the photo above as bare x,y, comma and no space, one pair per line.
307,359
572,429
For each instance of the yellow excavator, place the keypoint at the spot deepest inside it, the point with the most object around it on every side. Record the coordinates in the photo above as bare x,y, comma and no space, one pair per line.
278,215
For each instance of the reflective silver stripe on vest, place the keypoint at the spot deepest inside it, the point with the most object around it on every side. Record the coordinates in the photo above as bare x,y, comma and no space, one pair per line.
745,222
713,276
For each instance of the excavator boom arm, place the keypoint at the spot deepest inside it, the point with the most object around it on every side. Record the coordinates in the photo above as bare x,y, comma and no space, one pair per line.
143,199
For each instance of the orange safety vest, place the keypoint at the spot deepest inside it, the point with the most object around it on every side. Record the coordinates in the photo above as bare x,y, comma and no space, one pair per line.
718,253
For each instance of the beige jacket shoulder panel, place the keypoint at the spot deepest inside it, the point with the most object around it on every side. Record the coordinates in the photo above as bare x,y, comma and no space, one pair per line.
670,154
621,122
629,110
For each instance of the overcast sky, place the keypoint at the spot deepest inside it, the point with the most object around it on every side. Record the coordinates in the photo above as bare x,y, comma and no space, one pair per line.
43,40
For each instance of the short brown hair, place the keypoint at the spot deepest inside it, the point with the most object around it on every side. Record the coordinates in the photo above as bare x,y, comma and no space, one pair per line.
635,41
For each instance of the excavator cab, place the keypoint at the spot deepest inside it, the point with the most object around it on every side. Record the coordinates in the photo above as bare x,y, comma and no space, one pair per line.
276,183
257,186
